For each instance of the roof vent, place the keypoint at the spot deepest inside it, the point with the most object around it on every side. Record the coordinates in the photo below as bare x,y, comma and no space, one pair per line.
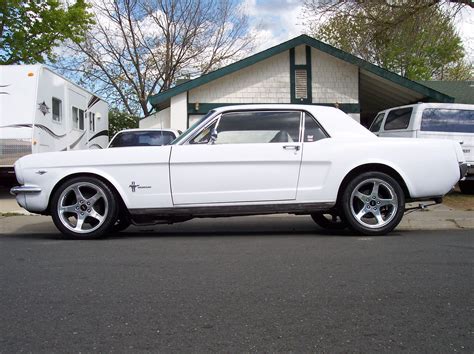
301,84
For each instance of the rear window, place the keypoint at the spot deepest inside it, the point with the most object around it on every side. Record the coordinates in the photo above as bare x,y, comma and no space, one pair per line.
398,119
377,123
142,139
448,120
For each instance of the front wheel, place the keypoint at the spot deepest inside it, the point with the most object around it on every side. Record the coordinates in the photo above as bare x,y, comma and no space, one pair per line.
329,221
373,203
83,208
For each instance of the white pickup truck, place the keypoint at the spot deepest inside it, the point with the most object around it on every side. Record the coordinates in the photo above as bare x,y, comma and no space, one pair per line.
432,121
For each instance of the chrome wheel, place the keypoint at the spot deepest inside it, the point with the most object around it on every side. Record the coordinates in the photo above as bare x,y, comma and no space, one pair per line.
82,207
374,203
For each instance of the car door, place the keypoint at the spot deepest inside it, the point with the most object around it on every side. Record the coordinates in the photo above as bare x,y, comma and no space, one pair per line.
239,157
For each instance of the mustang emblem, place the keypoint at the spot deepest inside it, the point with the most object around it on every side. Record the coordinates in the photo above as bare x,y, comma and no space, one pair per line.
134,186
41,172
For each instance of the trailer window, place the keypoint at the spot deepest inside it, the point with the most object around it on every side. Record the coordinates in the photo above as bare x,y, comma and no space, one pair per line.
57,110
398,119
78,118
448,120
91,121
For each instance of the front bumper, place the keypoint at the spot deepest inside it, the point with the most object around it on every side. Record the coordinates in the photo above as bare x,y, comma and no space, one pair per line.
25,189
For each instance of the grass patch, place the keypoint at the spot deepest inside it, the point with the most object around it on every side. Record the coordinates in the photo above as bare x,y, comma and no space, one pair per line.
457,200
6,215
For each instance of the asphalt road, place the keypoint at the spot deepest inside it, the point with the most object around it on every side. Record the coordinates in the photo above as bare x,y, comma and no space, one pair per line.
240,284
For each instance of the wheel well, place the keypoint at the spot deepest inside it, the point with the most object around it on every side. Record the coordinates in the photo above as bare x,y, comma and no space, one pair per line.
106,181
372,167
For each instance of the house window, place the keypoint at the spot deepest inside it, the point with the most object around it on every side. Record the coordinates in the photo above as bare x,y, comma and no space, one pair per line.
78,118
57,110
91,121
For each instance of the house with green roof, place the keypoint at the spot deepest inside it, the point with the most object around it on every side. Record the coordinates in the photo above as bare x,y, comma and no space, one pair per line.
302,70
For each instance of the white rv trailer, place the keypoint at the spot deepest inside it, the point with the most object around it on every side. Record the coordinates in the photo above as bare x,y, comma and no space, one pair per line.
41,111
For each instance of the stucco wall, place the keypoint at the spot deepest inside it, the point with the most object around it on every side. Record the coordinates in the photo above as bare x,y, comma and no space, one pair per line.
334,80
265,82
157,120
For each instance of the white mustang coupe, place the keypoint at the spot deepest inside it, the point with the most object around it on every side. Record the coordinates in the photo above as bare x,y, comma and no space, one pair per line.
243,160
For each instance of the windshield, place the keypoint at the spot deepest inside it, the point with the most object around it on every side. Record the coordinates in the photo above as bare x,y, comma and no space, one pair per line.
191,128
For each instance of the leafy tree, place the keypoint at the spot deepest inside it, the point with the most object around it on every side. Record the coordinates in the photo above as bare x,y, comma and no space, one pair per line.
121,120
30,30
141,47
416,39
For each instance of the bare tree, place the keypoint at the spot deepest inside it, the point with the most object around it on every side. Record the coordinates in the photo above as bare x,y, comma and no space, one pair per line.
140,47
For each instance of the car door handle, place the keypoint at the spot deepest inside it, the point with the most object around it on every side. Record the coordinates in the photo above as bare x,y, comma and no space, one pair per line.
291,147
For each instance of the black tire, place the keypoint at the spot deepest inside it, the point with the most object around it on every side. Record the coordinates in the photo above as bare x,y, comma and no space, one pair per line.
329,221
371,213
466,187
94,204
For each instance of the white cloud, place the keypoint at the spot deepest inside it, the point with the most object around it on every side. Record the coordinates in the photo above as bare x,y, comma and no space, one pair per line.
464,22
273,22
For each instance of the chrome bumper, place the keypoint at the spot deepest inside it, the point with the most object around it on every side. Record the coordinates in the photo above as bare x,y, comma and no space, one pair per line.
24,189
463,168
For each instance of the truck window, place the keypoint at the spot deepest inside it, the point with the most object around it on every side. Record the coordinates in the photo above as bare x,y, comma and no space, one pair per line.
448,120
377,123
398,119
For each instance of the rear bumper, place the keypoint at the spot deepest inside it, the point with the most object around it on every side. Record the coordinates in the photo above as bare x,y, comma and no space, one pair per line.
464,167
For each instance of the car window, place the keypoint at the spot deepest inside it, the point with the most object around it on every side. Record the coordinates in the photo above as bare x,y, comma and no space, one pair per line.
312,130
258,127
204,136
377,123
448,120
398,119
148,138
184,135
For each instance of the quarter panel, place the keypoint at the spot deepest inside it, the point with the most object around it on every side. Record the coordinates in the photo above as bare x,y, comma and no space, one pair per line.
428,168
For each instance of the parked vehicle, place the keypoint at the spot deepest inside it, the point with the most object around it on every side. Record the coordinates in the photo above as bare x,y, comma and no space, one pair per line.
41,111
143,137
432,121
243,160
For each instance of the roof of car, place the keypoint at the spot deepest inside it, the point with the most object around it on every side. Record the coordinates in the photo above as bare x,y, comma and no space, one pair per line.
333,120
147,130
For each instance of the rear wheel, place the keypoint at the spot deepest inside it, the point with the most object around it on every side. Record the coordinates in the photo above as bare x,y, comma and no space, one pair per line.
83,208
466,187
373,203
329,221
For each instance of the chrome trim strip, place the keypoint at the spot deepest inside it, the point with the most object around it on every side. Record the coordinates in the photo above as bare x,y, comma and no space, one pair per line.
233,210
25,189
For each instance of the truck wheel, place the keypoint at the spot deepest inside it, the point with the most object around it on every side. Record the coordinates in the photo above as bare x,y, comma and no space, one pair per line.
83,208
329,221
373,203
466,187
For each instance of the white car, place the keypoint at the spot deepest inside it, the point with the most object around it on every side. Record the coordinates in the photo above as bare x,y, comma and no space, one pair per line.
243,160
143,137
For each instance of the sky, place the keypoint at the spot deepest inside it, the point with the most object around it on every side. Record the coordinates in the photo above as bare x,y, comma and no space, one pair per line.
275,21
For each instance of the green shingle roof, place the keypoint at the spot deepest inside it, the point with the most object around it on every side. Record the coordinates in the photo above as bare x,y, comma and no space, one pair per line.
436,96
462,91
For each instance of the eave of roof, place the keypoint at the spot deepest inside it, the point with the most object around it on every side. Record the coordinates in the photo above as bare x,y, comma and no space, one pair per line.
162,97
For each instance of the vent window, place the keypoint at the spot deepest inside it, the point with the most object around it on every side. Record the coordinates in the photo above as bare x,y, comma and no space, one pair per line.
301,84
